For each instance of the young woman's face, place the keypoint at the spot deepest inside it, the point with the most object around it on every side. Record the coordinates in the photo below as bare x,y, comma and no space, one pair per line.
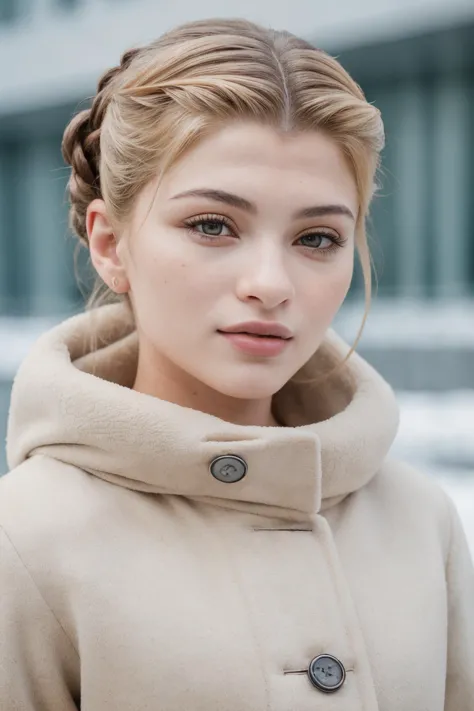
250,225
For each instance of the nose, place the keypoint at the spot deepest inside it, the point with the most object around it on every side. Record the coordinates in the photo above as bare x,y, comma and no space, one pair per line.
265,277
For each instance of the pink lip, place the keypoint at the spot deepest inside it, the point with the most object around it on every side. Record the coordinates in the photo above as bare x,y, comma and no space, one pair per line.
262,328
256,345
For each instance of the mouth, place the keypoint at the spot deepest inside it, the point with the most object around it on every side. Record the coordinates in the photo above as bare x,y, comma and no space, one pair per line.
256,344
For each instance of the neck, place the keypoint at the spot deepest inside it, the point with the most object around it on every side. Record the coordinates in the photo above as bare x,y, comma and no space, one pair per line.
161,379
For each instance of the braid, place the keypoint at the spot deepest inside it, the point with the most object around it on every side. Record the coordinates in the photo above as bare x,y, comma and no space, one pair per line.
81,148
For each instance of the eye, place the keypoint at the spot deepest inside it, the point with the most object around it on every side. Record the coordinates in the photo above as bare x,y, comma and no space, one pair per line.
212,226
316,239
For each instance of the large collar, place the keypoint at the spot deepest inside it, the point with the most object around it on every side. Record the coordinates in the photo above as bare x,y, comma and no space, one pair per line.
78,407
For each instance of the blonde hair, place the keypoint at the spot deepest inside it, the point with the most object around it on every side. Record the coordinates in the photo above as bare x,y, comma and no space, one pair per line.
167,95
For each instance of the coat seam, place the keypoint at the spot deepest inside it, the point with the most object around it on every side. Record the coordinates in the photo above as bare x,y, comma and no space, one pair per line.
334,579
35,585
236,577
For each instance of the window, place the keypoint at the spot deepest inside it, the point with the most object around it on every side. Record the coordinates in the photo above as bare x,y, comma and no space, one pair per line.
9,10
14,244
67,4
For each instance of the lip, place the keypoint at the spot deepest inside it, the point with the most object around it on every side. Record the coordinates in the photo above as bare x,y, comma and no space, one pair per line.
258,338
254,345
260,328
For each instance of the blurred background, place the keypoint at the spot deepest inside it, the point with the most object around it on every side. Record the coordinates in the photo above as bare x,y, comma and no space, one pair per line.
414,60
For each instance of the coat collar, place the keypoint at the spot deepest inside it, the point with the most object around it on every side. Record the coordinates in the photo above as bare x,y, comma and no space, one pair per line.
78,407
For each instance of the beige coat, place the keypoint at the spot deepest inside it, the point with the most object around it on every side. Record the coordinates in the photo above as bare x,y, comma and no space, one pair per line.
134,578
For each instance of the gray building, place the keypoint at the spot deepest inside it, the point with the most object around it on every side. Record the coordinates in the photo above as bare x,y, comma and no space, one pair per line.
418,68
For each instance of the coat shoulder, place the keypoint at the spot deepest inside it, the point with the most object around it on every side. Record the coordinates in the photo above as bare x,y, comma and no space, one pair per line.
400,478
415,494
404,470
45,503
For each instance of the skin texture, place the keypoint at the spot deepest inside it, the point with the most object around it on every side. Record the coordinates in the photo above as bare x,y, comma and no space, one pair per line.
184,287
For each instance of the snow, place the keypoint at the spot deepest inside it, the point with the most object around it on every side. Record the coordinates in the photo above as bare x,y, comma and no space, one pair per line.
437,429
16,337
410,323
437,435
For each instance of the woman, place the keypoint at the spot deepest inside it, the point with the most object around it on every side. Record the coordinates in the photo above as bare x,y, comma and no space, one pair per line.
200,512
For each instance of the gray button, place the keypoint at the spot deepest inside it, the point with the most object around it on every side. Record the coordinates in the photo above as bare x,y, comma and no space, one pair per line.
327,673
228,468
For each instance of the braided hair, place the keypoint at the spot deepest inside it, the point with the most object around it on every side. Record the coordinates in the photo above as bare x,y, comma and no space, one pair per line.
81,148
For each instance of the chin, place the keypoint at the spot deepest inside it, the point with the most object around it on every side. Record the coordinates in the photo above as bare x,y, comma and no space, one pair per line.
250,387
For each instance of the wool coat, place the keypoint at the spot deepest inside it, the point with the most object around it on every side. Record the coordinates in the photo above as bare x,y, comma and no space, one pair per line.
157,558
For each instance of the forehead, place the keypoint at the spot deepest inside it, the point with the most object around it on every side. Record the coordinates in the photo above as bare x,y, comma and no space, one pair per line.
259,161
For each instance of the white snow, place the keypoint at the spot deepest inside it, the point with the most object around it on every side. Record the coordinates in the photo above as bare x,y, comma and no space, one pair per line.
410,323
437,435
437,429
16,337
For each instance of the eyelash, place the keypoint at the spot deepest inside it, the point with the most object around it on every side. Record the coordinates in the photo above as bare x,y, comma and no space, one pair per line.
193,222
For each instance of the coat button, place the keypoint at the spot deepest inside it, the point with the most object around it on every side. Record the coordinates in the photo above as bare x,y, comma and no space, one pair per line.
327,673
229,468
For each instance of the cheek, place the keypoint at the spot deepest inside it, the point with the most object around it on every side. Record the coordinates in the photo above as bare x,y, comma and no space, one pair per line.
342,281
155,268
327,290
165,272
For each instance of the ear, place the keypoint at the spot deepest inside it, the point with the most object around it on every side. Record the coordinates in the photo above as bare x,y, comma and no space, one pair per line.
103,247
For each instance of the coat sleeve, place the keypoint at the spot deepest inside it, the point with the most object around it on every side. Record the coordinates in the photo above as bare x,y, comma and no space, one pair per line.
460,582
39,667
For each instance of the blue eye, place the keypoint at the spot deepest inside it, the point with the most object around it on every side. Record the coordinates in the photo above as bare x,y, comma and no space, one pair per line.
211,225
336,242
215,227
210,228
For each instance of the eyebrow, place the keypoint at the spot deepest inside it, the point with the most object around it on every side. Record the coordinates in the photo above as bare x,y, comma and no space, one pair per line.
243,204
